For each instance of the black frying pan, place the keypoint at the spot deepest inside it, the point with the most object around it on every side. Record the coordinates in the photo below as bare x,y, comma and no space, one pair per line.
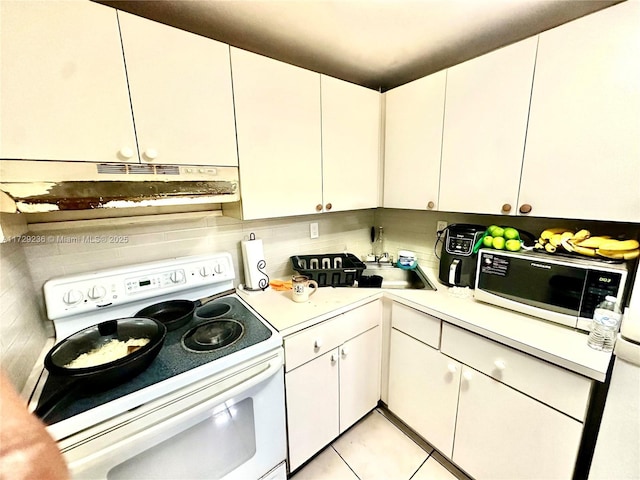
107,375
173,313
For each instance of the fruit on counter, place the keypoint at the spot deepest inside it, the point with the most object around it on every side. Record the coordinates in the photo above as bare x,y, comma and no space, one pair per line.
619,245
580,235
496,231
502,238
498,243
549,232
619,254
513,245
592,242
582,243
511,233
589,252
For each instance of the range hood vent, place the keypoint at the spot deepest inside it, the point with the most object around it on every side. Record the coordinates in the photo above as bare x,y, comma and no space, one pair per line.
44,186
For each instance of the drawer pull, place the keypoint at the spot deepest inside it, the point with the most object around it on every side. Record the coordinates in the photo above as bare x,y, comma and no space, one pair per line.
452,368
500,364
317,344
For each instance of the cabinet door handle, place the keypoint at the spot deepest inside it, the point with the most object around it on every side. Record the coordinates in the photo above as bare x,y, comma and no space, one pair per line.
345,351
525,208
500,364
467,375
452,368
150,154
506,208
317,344
334,359
126,153
431,205
319,207
329,206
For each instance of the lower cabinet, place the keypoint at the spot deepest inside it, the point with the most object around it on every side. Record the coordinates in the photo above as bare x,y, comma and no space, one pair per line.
423,389
503,434
338,385
495,412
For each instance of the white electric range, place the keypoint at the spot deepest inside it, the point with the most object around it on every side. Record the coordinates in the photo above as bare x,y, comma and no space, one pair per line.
191,414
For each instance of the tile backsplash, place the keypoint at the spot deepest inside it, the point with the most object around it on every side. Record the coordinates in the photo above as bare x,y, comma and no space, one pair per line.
78,246
22,332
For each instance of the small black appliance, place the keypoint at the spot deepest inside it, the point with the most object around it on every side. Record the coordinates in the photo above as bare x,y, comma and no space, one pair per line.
457,260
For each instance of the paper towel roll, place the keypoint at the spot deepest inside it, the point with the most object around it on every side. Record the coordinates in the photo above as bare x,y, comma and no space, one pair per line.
254,264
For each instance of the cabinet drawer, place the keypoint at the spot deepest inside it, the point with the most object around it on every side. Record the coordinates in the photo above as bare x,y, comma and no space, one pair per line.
301,347
559,388
418,325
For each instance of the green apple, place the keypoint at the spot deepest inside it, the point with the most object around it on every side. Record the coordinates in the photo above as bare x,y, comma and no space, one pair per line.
498,232
512,245
511,233
498,243
491,229
487,241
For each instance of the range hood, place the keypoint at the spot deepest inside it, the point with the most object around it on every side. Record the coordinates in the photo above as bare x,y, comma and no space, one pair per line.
45,186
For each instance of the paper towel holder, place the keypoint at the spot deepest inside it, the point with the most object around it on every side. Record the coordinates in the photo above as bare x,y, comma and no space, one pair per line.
263,283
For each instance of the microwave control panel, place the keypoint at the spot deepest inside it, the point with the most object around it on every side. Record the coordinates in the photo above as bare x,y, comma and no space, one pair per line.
598,285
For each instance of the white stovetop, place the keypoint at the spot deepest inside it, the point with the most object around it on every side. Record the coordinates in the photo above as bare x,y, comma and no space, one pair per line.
559,345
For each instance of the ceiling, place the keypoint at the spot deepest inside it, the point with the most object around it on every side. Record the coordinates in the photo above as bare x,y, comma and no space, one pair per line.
379,44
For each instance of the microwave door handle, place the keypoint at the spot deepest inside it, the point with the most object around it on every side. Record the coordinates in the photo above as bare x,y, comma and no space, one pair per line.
453,270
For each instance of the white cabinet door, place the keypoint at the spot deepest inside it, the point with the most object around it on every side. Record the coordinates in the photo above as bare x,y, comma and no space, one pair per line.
413,140
312,407
503,434
350,145
278,124
485,123
359,377
63,85
423,390
180,86
582,158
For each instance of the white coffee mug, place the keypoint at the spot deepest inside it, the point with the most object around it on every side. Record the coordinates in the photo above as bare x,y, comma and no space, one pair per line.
302,288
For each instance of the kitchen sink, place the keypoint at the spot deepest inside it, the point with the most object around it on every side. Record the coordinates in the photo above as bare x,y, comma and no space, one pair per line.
394,277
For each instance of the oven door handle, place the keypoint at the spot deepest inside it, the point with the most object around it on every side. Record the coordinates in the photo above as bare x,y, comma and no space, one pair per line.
160,425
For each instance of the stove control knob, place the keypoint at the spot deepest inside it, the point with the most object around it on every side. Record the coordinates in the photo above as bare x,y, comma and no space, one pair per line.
205,271
177,276
219,268
72,297
96,292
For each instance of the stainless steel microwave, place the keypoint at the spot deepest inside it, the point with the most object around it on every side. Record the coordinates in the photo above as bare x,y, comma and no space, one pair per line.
564,290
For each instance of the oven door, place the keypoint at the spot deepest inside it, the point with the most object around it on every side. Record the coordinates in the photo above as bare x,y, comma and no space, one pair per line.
231,426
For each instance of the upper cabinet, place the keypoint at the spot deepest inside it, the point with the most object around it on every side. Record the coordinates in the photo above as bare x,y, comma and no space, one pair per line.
413,139
304,139
63,84
181,95
279,143
350,145
582,158
485,125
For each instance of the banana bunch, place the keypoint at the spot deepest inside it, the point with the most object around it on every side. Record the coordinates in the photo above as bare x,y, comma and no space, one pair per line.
583,243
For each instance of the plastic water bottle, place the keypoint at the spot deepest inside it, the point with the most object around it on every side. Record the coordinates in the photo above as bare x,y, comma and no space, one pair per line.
606,320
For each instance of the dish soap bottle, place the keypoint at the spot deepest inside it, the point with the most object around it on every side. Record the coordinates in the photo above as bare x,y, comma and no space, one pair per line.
606,320
378,246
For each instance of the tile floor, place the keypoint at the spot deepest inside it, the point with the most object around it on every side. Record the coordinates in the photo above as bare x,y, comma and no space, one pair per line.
375,449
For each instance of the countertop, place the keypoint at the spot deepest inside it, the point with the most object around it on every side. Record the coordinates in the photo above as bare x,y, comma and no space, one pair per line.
556,344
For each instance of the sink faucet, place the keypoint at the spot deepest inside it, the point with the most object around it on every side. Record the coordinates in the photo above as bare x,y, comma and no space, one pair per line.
385,258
